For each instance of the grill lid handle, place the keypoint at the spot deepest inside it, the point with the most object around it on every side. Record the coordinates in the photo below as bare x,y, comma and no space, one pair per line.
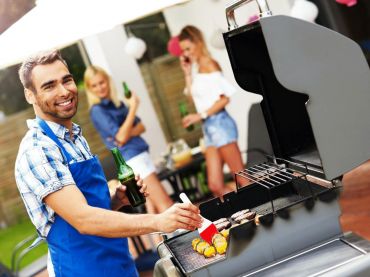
230,16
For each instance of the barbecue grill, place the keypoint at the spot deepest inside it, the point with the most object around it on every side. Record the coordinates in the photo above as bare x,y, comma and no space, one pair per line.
315,86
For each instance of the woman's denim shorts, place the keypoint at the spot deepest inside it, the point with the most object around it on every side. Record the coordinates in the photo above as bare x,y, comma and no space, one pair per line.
219,129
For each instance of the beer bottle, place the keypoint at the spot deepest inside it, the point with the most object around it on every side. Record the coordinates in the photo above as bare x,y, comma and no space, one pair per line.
127,178
188,188
202,183
126,90
202,179
183,112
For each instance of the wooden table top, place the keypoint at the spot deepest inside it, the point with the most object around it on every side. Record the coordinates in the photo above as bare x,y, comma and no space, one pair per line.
355,201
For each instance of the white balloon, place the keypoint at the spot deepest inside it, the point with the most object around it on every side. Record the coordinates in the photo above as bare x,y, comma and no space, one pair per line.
135,47
217,40
305,10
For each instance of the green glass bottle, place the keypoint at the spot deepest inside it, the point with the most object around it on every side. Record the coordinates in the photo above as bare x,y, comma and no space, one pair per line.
186,184
202,183
184,112
126,90
202,178
127,178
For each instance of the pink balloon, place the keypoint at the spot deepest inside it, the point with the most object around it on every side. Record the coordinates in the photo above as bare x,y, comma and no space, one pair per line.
349,3
253,18
173,46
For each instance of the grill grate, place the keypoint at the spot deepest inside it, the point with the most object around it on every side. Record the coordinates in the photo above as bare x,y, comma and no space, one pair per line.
271,176
188,259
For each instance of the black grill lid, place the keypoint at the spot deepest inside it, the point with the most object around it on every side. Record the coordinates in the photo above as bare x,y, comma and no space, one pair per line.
315,85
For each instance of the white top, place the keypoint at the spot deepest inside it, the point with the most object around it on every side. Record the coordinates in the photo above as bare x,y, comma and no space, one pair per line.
207,88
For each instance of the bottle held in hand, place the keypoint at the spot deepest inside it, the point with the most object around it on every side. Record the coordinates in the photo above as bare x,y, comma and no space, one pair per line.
184,112
127,178
126,90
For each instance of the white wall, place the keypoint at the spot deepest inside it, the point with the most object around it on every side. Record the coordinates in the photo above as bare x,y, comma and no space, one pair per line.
107,50
209,15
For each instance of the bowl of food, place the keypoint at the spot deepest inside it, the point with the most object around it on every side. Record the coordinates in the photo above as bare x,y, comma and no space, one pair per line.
180,153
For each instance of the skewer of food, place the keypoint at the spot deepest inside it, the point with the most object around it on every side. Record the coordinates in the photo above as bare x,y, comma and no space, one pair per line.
222,223
245,217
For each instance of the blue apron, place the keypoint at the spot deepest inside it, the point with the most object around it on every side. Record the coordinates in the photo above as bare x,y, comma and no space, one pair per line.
73,254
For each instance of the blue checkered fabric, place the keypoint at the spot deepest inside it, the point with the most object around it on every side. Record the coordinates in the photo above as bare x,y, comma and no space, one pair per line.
41,169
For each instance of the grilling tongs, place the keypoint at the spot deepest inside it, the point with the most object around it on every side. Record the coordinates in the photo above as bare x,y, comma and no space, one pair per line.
208,229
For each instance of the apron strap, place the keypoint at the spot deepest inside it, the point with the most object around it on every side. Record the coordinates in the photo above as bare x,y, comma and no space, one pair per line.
45,127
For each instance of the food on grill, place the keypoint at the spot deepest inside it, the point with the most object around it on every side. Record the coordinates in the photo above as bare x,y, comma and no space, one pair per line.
201,246
221,247
209,252
245,217
257,219
217,237
237,214
219,221
223,225
194,243
220,243
225,233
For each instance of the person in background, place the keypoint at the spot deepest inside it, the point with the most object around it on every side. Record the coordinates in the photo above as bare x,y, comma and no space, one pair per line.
119,126
64,188
210,91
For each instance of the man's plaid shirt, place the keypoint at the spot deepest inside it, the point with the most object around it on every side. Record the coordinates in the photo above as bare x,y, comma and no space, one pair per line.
40,168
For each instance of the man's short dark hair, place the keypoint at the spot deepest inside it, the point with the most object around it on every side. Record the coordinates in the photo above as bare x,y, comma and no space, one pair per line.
41,58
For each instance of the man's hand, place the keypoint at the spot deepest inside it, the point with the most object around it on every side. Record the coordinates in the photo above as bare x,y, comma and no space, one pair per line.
120,194
179,216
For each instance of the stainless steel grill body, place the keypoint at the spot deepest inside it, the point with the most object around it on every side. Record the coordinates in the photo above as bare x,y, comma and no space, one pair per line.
300,231
315,86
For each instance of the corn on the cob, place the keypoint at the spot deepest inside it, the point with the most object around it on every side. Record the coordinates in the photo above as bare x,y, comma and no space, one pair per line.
225,233
201,246
194,243
209,252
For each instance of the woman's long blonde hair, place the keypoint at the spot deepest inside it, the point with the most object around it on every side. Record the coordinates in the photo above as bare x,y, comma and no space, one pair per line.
195,35
90,72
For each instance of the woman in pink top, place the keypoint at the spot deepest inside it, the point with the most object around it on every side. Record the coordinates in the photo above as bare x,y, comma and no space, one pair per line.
210,92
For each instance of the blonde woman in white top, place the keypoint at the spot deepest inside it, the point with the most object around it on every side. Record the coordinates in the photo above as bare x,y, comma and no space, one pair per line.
210,92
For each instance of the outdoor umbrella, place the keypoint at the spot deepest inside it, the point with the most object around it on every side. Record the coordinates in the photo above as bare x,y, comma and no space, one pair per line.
58,23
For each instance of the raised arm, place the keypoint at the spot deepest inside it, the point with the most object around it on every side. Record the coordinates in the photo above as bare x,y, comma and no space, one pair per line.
186,68
124,132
